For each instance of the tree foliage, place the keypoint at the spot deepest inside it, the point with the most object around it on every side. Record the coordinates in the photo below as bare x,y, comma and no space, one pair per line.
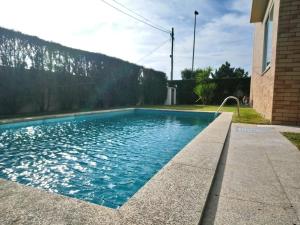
224,88
226,71
38,76
188,74
204,89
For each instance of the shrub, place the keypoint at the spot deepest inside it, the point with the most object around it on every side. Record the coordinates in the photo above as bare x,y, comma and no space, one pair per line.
204,88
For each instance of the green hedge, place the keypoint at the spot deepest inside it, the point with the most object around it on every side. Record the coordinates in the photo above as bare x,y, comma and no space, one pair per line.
184,91
238,87
41,76
232,86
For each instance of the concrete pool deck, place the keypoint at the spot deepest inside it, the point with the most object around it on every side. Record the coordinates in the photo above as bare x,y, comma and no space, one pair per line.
258,181
177,194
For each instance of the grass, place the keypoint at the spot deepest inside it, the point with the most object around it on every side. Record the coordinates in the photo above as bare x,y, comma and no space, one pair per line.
247,114
293,137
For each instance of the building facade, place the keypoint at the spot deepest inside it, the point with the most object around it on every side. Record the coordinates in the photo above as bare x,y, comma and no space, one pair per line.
275,79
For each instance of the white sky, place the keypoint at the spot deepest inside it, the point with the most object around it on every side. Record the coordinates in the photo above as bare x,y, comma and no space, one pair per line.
223,30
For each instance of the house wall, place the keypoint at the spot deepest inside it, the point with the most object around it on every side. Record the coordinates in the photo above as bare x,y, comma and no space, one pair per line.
286,102
262,82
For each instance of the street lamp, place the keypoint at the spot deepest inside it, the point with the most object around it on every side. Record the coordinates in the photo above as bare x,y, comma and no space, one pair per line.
196,13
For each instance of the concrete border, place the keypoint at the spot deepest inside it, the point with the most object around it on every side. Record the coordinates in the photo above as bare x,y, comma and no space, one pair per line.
177,194
57,116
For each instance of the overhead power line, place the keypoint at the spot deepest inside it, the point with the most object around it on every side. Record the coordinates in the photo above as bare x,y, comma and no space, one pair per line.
137,14
136,18
154,50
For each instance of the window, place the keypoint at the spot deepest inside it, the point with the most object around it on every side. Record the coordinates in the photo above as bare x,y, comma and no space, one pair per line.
268,40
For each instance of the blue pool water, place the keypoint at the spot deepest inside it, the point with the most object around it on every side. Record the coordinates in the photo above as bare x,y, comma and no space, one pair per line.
101,158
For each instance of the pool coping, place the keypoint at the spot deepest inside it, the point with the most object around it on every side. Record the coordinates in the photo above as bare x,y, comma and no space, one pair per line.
76,114
57,116
177,194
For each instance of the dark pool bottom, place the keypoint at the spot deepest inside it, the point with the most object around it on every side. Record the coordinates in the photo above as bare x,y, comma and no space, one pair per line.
102,158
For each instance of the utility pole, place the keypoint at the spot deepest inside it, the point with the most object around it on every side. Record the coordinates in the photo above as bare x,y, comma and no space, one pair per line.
172,53
196,13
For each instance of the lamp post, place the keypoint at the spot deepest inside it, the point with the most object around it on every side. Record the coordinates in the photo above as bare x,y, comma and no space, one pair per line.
196,13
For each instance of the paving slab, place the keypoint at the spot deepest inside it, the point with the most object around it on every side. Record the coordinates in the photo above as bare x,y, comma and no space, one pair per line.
239,212
247,158
161,201
283,128
25,205
252,179
252,174
259,181
214,135
283,155
202,155
250,189
294,197
288,173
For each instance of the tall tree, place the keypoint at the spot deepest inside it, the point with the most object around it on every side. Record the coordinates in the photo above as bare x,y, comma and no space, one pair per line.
226,71
240,73
188,74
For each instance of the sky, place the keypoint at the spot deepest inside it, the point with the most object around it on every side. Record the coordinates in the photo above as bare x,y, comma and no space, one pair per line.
223,31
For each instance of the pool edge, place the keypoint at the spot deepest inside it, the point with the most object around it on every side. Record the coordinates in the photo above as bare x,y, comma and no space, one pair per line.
159,199
62,115
175,202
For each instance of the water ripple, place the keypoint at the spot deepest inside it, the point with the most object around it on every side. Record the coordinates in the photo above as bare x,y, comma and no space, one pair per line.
104,161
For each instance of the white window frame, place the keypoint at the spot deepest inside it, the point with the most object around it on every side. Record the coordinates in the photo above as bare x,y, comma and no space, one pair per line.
269,13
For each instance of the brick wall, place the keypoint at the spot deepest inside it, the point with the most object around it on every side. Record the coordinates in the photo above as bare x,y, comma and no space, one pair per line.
262,82
286,100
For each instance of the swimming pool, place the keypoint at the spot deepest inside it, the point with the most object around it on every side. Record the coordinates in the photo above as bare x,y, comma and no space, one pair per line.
101,158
